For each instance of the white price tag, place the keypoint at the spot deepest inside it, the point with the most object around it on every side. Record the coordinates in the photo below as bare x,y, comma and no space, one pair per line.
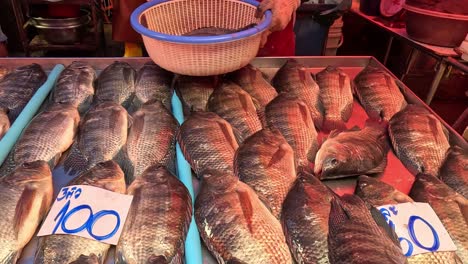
418,228
88,211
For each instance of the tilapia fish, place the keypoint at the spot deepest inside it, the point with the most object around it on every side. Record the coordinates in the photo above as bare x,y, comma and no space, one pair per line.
75,86
102,136
207,142
153,83
353,152
450,207
235,105
235,225
116,83
18,87
48,135
336,96
265,162
4,122
194,92
354,236
69,248
151,139
158,220
454,171
26,196
378,93
305,219
419,139
294,78
291,117
376,193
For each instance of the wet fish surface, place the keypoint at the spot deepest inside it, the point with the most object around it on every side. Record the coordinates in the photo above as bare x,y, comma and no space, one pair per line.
291,117
305,219
161,208
336,96
194,92
353,152
207,142
236,106
295,79
377,193
75,86
419,139
354,236
265,162
151,139
378,93
153,83
26,196
18,87
102,136
4,122
454,171
116,83
216,31
68,248
3,71
450,206
235,225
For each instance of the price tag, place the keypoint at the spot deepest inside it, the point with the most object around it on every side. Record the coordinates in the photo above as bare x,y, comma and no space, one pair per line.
418,228
88,211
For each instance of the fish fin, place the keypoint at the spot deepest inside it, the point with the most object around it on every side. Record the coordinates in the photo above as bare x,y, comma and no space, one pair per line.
302,75
22,211
54,160
247,208
338,215
281,152
8,165
329,125
234,261
463,204
133,213
157,260
381,222
380,168
125,164
434,123
305,112
228,133
82,259
75,162
246,102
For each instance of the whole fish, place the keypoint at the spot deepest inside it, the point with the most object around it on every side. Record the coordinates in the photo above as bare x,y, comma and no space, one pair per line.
48,135
305,219
18,87
235,105
158,220
419,139
265,162
26,196
4,122
102,136
352,152
194,92
378,93
291,117
450,207
151,139
116,83
207,142
377,193
454,171
68,248
75,86
235,225
295,79
354,236
153,83
336,96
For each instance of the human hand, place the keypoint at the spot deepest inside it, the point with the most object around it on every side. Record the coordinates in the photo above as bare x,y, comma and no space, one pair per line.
282,11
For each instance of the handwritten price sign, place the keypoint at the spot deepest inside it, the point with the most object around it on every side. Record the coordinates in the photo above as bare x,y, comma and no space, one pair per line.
89,212
418,228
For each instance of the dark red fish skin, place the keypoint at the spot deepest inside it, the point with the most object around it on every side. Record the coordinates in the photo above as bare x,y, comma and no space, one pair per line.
295,79
116,83
355,238
454,171
305,219
194,91
4,122
235,225
207,142
153,83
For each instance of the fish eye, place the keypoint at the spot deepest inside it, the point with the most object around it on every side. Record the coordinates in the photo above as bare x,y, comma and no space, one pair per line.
334,161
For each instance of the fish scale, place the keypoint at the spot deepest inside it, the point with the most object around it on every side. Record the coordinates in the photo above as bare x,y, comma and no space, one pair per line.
116,83
194,92
454,172
4,122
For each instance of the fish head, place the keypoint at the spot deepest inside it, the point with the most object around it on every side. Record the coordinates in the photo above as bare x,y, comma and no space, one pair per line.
429,185
377,192
218,181
157,174
31,171
106,175
332,159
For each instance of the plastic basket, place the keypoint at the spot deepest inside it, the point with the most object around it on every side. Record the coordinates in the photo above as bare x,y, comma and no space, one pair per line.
162,24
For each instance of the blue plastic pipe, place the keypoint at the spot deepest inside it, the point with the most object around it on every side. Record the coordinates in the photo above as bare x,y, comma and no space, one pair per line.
10,138
193,253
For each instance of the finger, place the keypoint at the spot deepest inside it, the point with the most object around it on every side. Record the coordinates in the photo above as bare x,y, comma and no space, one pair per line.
264,38
263,7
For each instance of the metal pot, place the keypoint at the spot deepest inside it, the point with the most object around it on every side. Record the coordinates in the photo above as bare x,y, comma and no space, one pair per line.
436,28
62,30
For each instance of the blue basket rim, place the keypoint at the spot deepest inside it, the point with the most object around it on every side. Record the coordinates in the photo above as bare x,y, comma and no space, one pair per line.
134,21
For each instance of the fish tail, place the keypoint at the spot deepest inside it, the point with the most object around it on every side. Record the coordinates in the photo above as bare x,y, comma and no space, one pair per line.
329,125
338,216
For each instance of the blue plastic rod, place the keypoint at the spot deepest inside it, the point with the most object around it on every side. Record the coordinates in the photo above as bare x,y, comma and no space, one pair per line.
193,253
10,138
